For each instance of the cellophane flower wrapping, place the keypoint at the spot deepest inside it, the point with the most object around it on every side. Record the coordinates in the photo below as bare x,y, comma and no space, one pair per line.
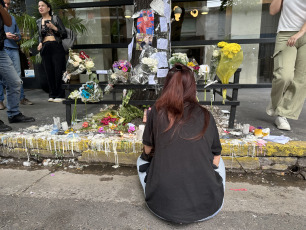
147,66
231,59
122,68
112,79
214,61
76,64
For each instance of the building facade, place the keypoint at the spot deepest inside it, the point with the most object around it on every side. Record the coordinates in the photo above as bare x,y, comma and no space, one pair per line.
246,22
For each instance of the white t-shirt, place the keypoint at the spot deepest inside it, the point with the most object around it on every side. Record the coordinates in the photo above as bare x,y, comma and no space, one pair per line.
293,15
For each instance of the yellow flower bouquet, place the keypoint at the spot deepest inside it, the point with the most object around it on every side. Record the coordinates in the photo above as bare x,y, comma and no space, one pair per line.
231,59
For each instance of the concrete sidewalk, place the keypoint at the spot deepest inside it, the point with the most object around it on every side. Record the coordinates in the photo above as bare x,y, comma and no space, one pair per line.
251,111
113,199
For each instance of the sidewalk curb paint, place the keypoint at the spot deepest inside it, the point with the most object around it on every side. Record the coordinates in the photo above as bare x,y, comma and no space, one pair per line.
237,156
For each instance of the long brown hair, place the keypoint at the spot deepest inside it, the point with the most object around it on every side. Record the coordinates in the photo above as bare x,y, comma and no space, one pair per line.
179,91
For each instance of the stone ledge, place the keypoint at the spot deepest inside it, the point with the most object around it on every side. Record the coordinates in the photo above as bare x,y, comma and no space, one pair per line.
247,156
291,149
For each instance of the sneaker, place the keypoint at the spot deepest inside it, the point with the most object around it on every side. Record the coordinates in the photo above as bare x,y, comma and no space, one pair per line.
269,110
51,99
58,99
2,106
20,118
26,101
282,123
4,127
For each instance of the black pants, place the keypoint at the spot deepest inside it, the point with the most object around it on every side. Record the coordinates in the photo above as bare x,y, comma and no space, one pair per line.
54,62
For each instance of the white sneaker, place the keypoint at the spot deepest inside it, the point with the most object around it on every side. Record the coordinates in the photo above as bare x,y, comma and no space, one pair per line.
269,110
282,123
58,99
51,99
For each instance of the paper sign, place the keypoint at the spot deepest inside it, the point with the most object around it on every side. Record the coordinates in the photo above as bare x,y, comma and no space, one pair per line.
162,72
162,59
102,71
163,24
162,43
167,12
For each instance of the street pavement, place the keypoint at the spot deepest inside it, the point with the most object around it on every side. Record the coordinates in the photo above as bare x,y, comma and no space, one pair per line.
251,111
107,198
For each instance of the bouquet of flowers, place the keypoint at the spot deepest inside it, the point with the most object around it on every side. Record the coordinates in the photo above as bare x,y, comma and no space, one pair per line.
76,64
122,67
75,95
231,57
215,59
147,66
193,65
90,92
179,58
151,63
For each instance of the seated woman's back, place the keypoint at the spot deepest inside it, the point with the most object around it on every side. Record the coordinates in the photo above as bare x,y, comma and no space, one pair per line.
182,185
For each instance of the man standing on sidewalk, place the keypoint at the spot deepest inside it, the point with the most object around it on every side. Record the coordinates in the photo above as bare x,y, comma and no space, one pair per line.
12,50
9,74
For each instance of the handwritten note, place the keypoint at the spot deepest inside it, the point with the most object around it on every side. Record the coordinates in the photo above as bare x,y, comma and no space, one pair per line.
162,59
162,72
162,43
163,24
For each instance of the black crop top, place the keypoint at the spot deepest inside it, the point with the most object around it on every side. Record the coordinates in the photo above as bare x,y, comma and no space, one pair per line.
46,31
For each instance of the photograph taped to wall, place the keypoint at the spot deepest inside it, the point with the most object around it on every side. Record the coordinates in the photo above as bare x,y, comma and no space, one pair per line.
142,40
145,23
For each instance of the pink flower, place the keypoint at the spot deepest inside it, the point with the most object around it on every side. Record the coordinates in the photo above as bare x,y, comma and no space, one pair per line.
101,130
85,124
124,69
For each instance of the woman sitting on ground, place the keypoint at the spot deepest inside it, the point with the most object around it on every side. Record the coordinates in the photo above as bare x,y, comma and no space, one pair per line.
185,178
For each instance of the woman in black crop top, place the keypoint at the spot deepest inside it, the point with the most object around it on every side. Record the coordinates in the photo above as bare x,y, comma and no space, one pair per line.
51,32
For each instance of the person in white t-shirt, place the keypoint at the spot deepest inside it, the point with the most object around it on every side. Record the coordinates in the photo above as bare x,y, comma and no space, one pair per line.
289,84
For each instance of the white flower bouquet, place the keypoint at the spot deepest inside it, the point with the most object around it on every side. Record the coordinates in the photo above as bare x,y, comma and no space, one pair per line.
178,58
76,64
151,63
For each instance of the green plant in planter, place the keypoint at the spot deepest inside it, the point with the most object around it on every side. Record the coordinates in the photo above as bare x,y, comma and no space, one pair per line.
27,24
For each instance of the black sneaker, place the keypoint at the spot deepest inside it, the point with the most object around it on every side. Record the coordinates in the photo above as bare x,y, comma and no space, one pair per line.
20,118
4,127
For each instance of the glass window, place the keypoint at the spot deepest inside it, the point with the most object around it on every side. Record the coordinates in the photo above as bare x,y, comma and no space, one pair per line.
105,25
255,69
243,19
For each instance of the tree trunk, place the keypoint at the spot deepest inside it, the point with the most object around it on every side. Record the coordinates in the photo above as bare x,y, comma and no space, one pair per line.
150,94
